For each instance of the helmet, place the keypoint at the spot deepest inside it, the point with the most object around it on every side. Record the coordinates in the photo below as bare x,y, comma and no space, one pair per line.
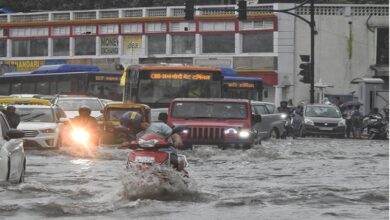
84,110
131,119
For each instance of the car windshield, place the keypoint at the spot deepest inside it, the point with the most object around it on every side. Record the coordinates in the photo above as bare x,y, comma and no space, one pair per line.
35,114
224,110
75,104
322,111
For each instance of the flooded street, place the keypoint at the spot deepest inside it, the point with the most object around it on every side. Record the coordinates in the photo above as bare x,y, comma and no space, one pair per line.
280,179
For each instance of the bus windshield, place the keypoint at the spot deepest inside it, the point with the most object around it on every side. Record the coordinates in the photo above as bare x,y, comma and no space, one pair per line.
162,87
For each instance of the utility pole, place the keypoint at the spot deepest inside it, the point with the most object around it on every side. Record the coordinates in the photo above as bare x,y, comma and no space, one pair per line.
312,33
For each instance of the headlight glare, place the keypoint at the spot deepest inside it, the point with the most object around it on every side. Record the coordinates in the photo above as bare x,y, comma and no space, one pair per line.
244,134
231,131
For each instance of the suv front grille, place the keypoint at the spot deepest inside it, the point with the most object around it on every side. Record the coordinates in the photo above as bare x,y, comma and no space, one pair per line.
325,124
30,133
205,135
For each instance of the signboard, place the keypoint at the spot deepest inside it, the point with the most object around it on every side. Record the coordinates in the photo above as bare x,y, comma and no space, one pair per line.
109,45
240,84
108,78
382,46
132,45
180,76
25,65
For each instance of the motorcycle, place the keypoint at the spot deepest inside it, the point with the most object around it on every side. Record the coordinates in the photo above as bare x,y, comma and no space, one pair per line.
153,150
377,128
79,139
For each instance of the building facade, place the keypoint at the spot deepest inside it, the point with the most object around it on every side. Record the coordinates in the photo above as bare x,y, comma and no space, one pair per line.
266,45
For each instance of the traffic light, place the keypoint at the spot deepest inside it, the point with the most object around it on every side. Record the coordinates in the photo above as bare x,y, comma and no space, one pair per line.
242,10
189,10
305,69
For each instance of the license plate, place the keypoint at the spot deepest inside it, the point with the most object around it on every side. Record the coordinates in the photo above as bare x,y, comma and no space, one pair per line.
143,159
326,129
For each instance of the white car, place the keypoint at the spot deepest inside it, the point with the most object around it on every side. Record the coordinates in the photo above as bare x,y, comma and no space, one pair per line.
40,124
71,105
12,157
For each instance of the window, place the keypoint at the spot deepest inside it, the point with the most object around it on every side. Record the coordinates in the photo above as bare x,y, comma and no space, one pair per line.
155,27
3,48
217,26
260,110
218,43
43,88
156,44
108,29
4,88
85,46
271,108
16,88
80,30
60,31
258,42
61,47
29,32
29,48
131,28
109,45
183,44
28,87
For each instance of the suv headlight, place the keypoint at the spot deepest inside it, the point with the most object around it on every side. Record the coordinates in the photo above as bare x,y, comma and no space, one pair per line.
244,133
49,130
231,131
341,123
309,122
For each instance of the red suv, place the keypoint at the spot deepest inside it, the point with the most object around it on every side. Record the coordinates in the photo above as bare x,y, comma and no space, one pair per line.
222,122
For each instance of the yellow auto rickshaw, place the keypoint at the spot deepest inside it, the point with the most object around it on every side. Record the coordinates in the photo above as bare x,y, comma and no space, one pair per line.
113,133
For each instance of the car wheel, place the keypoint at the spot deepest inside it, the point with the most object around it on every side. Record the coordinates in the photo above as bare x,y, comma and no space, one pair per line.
274,134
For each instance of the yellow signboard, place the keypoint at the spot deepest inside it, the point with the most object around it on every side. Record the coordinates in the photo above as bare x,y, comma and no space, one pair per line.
25,65
181,76
132,45
240,84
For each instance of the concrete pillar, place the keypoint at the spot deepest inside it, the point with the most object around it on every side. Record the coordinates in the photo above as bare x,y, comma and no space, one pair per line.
168,46
278,95
50,47
198,44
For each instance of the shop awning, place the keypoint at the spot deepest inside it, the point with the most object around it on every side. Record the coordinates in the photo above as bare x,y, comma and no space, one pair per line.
269,77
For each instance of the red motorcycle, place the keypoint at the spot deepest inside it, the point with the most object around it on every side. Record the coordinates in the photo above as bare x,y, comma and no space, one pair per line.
151,150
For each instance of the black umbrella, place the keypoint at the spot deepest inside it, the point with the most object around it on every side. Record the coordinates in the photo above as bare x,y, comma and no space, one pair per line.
352,103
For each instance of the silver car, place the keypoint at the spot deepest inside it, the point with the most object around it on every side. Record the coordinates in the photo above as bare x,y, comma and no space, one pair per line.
71,105
320,119
12,157
272,122
40,124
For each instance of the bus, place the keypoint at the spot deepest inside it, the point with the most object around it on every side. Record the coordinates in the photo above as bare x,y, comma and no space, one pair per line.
242,88
238,87
64,79
157,85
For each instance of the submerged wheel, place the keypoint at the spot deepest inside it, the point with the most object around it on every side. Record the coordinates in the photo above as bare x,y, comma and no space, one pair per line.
274,134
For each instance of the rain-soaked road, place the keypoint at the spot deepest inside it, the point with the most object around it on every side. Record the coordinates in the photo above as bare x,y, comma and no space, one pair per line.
281,179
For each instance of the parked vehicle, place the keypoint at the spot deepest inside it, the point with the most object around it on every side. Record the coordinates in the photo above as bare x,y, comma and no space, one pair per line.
71,104
113,132
41,125
147,153
272,122
12,157
222,122
322,119
377,127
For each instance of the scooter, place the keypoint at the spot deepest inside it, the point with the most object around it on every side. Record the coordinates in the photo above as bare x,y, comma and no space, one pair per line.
377,127
153,150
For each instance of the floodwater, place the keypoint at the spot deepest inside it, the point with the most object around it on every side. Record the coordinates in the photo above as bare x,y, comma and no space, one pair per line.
280,179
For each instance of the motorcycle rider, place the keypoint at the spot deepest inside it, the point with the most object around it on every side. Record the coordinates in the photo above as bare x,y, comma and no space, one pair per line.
283,108
374,114
134,120
85,120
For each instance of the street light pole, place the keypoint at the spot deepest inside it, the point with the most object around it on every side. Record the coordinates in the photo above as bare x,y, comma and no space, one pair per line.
312,33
